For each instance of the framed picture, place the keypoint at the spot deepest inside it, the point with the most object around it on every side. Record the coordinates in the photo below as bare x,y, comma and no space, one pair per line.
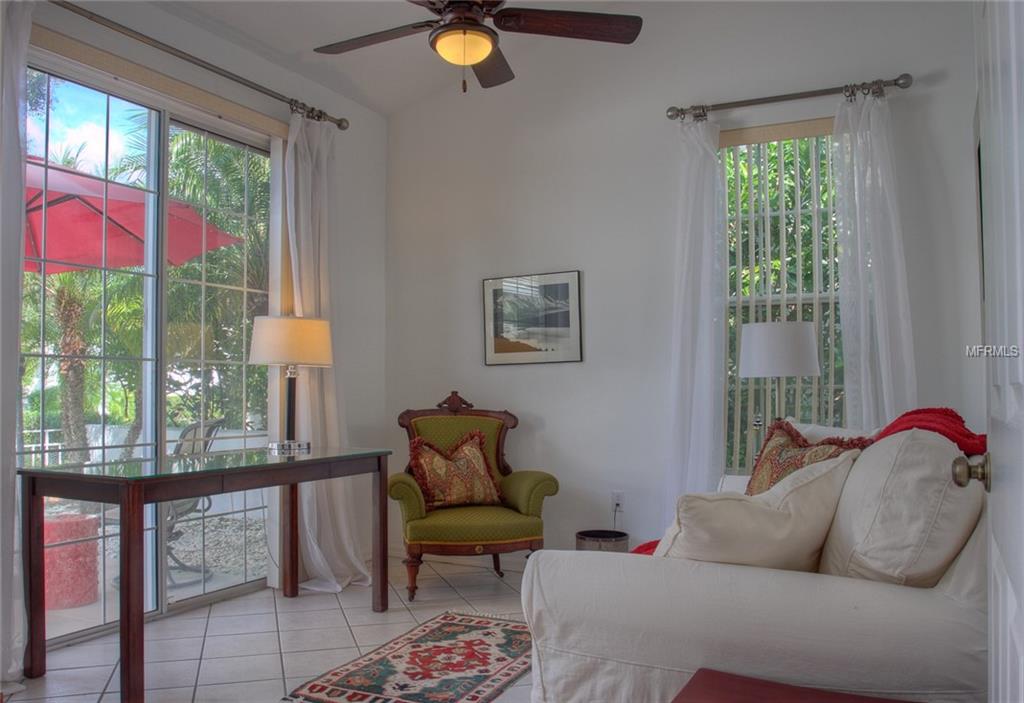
532,319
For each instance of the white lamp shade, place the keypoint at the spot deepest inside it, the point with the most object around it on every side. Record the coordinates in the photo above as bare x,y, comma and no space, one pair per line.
778,349
291,341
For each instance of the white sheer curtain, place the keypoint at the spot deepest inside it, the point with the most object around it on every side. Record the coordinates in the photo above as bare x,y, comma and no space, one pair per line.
328,533
878,349
697,458
15,25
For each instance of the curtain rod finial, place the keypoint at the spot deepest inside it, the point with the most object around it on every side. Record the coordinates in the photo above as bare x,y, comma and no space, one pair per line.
342,124
904,80
673,113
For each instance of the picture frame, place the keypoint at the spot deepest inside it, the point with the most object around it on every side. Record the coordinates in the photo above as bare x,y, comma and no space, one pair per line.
533,319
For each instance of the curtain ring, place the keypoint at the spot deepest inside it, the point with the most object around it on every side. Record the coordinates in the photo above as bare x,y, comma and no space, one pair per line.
700,113
850,92
878,89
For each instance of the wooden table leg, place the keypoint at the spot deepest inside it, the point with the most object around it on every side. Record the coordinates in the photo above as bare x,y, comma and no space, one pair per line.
35,578
380,535
290,528
133,604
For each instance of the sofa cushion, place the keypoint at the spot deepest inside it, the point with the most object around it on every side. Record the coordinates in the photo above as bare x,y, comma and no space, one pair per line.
478,523
782,528
458,477
785,450
900,518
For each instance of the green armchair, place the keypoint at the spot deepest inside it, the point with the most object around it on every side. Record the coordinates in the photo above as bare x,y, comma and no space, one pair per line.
473,529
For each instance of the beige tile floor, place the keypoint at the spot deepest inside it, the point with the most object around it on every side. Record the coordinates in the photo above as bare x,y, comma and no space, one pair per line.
257,647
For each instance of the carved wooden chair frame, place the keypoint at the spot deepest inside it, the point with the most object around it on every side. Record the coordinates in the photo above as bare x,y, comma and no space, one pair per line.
452,406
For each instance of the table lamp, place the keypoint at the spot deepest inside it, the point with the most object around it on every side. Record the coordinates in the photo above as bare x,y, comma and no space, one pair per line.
778,350
291,342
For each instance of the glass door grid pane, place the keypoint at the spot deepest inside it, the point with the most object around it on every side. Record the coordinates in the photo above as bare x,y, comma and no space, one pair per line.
88,324
89,328
211,391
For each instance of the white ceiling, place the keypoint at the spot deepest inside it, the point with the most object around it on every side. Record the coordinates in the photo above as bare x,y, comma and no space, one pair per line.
386,77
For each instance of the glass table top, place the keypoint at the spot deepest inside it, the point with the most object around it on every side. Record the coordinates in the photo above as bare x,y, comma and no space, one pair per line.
212,462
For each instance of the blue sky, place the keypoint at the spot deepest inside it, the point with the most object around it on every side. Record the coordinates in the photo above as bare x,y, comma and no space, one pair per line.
78,118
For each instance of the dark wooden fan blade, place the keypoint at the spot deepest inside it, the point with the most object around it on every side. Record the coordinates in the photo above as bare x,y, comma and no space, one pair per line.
376,38
494,70
435,6
595,26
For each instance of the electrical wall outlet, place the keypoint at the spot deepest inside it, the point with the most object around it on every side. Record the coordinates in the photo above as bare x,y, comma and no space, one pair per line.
618,501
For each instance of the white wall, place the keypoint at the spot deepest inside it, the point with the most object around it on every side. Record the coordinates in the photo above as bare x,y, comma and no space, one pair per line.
359,208
574,166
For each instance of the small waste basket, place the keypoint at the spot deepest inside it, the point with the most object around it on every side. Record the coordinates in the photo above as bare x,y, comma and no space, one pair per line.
602,541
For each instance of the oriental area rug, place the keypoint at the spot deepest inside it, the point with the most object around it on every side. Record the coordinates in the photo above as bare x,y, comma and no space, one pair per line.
453,658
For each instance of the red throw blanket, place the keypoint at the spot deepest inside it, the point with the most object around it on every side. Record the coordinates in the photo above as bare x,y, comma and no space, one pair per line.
945,421
646,548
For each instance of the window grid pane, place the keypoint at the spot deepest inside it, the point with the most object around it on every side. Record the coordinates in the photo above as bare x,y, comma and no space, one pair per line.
783,265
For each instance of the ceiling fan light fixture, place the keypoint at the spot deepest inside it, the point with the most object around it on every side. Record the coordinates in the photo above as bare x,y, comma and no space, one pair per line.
463,43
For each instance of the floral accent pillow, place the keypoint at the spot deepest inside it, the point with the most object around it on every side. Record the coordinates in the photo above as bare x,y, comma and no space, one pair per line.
785,450
459,477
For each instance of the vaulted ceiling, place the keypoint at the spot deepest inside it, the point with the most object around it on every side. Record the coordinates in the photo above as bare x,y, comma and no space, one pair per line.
386,77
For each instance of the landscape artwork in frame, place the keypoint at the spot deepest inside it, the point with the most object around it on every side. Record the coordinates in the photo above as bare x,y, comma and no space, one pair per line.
532,319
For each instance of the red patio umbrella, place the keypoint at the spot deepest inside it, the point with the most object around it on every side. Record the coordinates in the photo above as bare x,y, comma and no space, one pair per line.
74,223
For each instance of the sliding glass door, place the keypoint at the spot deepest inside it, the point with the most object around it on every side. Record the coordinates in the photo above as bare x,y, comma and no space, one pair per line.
145,261
214,400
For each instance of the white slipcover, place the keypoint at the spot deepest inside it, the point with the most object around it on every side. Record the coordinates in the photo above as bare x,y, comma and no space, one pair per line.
621,627
900,518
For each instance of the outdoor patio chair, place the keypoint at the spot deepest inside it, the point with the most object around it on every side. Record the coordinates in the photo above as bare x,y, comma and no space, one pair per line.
196,438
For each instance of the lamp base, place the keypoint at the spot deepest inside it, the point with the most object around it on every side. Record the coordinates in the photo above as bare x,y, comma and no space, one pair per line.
289,447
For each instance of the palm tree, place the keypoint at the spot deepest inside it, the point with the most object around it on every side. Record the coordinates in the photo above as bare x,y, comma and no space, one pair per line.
229,185
76,312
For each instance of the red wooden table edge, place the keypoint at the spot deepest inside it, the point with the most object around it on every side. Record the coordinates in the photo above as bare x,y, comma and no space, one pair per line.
713,686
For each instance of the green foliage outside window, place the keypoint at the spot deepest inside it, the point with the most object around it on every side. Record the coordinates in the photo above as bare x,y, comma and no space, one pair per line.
782,265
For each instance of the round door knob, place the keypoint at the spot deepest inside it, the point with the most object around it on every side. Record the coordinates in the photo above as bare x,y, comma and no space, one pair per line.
961,471
964,471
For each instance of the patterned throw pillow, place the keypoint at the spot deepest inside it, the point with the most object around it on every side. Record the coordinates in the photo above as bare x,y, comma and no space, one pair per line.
460,477
785,450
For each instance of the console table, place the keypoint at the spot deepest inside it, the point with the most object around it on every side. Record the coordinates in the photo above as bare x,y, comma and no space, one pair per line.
132,484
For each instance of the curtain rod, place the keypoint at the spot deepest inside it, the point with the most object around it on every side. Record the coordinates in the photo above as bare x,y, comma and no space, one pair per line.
700,112
296,106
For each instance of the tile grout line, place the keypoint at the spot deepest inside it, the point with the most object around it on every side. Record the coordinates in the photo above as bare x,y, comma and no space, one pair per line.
117,663
280,646
351,632
202,650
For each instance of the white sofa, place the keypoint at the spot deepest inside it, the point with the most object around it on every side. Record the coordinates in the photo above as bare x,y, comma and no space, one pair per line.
622,627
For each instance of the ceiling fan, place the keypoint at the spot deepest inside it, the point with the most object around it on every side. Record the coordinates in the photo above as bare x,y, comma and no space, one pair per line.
460,35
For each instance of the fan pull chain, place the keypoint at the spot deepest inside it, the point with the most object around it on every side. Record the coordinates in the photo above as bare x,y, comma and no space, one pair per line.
464,87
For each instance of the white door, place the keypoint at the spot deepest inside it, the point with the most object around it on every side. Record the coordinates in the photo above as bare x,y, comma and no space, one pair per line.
999,39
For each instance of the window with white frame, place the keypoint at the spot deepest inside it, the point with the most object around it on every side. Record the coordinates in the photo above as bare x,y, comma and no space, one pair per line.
783,265
146,258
